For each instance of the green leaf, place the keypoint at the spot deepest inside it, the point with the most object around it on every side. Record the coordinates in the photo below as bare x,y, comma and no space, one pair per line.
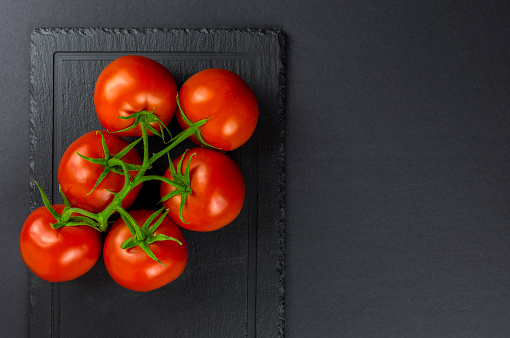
161,237
184,117
130,116
179,165
148,222
64,197
184,198
100,179
131,224
129,243
85,221
149,252
170,195
113,162
171,166
195,125
127,149
105,147
163,127
128,128
100,161
136,116
154,131
111,192
186,177
117,170
47,203
159,221
200,138
60,224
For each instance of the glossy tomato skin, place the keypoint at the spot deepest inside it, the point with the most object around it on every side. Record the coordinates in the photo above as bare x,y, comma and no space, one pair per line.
130,84
58,255
217,191
132,268
225,98
78,176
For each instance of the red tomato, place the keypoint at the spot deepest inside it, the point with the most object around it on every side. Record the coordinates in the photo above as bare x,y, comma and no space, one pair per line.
224,97
131,84
217,186
132,268
78,176
58,255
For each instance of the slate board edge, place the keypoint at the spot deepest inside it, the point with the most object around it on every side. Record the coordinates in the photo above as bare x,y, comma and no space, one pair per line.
281,223
282,197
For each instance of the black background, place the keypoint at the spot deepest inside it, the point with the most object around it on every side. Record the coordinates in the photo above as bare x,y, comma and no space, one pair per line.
398,156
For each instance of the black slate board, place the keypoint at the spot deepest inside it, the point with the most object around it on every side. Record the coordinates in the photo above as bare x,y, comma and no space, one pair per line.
234,283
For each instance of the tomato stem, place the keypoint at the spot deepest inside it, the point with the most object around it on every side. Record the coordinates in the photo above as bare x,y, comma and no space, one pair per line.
194,126
176,140
129,182
174,184
66,215
114,163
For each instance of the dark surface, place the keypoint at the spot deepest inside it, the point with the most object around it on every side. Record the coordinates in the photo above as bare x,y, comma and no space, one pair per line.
234,280
398,146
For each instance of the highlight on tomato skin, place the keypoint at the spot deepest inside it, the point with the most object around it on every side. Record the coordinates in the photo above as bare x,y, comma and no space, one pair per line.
58,255
226,99
130,84
218,191
132,268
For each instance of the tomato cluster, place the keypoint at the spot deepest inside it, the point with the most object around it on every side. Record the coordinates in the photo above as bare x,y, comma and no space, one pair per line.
101,174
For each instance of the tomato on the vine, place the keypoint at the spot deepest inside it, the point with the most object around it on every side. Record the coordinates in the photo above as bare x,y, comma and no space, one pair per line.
58,255
78,176
131,84
101,174
132,268
217,191
225,98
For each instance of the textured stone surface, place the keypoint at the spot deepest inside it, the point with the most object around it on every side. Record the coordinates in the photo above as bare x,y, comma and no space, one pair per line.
234,281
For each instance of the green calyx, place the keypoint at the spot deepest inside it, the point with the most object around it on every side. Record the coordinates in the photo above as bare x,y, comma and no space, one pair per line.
144,236
67,218
146,119
112,163
184,190
194,126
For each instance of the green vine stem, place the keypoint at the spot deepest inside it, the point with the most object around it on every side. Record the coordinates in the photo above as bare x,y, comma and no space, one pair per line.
100,220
